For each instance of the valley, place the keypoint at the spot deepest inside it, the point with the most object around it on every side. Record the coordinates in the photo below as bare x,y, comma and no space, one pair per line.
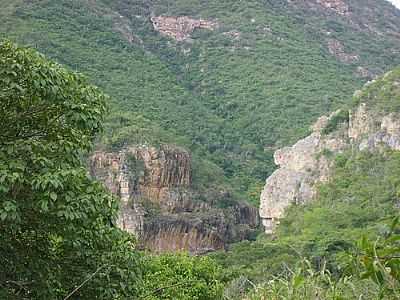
249,138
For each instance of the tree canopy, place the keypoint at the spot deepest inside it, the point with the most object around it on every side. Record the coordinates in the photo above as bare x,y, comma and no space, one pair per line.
54,220
57,239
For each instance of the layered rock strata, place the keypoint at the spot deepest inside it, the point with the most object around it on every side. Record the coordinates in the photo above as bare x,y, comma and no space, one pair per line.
158,204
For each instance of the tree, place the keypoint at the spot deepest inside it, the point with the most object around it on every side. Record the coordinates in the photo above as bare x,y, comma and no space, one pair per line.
55,235
181,277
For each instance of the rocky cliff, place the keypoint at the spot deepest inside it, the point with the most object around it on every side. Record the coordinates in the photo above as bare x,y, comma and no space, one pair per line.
368,126
339,7
159,205
180,28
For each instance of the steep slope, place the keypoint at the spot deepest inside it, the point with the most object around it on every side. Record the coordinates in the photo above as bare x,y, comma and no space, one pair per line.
248,80
228,81
160,206
339,194
372,124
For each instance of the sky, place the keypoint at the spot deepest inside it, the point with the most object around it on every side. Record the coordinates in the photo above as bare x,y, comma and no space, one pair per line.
396,2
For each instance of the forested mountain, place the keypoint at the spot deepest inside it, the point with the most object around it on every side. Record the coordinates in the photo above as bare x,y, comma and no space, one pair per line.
231,92
202,100
354,171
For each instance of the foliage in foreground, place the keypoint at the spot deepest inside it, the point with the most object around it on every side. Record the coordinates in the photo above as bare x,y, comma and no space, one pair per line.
359,200
178,276
54,221
371,271
305,283
57,240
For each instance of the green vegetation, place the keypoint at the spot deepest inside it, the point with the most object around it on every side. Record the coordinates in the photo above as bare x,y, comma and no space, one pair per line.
231,101
371,272
182,277
54,221
382,95
340,117
359,200
56,225
315,248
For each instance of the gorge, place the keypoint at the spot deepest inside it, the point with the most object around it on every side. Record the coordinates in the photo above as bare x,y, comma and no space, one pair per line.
159,205
163,149
309,162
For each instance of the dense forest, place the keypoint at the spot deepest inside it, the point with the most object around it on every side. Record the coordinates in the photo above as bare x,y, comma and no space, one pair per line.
233,95
81,76
58,242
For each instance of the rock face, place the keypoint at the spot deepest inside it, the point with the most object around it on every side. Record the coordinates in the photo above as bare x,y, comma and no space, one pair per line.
180,28
300,168
336,49
158,204
338,6
140,174
369,130
308,162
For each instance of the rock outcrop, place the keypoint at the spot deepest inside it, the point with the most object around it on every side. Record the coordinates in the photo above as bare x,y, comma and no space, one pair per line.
369,130
180,28
339,7
158,204
144,174
307,163
336,48
301,167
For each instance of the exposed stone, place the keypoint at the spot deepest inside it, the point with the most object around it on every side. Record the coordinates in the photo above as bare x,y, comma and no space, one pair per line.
178,233
338,6
361,122
166,170
301,167
199,233
305,164
369,130
180,28
336,49
158,204
364,73
140,174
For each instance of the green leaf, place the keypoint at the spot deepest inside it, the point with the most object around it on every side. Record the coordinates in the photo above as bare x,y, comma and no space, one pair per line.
53,196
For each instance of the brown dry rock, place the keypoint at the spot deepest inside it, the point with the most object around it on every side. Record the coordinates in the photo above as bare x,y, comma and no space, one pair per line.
159,206
336,49
139,174
338,6
180,28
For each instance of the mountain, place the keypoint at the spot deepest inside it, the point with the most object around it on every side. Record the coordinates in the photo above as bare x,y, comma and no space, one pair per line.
253,81
337,186
229,82
371,125
206,96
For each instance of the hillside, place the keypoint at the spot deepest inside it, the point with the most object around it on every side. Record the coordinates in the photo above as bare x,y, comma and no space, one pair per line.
151,190
355,195
249,80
